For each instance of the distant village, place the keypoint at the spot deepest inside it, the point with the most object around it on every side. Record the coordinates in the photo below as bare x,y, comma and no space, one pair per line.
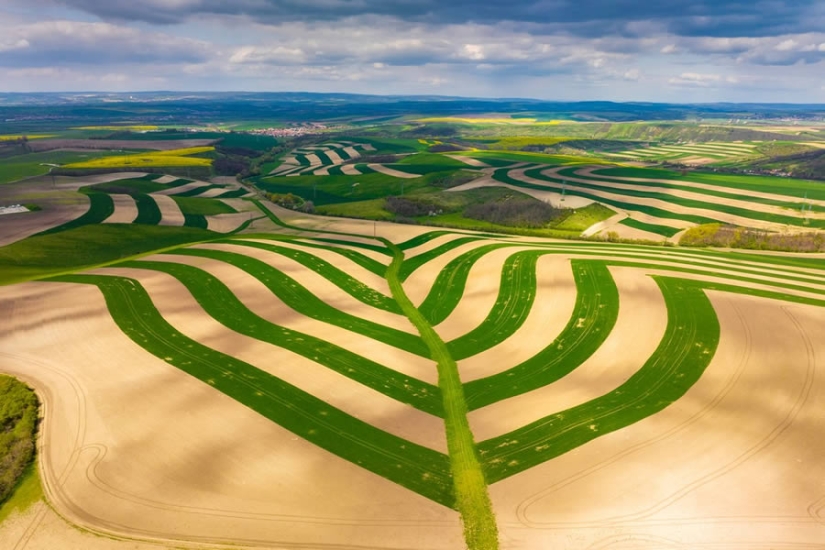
305,129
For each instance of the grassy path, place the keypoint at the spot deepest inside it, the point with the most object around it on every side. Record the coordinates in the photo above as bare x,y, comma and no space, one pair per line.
472,500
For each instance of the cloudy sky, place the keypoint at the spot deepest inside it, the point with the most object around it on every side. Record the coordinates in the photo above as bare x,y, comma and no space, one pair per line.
625,50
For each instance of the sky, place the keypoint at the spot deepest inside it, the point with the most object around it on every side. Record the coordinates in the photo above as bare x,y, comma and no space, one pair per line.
688,51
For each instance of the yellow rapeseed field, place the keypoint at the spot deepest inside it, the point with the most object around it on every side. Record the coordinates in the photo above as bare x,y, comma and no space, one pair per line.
130,128
174,157
18,136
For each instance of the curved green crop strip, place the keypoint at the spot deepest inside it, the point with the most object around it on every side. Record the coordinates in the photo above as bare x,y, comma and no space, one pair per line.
664,230
277,221
718,192
195,220
448,288
409,266
427,237
419,469
593,318
297,297
517,292
502,176
341,279
240,192
195,191
222,305
101,207
687,203
680,269
148,210
684,353
424,238
364,261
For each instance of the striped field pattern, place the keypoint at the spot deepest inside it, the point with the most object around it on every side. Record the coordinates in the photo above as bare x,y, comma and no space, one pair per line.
477,327
689,152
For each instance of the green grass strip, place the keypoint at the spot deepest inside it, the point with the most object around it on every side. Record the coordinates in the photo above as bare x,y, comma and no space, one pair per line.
297,297
717,192
101,207
203,206
289,291
366,262
409,266
195,191
472,500
664,230
685,351
222,305
748,280
148,210
593,318
322,156
195,220
448,288
516,294
277,221
689,203
236,193
502,176
419,469
422,239
346,282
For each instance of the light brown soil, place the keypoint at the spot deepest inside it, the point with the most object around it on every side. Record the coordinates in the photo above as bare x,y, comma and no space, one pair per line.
134,446
125,209
555,299
730,465
391,172
169,211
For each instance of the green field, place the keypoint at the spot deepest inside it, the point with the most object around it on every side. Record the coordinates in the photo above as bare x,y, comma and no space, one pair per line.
37,164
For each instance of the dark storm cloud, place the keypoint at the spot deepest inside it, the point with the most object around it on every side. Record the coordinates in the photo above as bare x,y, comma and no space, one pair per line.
583,17
67,43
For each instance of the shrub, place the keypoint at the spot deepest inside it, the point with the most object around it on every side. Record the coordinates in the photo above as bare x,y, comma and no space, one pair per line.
514,213
18,420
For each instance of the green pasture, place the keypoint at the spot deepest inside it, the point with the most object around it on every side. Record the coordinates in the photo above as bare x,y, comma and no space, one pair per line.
28,165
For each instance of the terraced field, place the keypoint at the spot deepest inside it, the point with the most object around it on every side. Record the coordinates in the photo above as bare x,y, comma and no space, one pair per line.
333,383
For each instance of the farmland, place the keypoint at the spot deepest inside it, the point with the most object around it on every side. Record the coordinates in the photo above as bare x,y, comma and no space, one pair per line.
464,379
174,157
488,330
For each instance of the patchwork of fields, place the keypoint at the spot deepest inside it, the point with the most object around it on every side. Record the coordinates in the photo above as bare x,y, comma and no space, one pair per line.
349,384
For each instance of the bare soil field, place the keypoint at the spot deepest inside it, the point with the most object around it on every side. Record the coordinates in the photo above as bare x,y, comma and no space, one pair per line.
734,465
137,448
